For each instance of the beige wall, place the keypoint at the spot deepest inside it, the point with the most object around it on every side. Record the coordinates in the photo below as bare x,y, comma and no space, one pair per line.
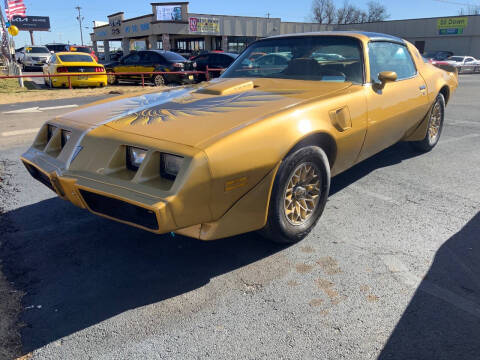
416,29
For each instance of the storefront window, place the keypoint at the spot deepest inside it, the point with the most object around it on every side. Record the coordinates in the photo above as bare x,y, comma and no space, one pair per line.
236,44
190,44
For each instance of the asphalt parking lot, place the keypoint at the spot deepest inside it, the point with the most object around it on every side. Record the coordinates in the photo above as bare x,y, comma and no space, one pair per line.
391,271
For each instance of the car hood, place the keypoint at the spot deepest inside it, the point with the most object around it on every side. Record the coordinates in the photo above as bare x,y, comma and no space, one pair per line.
193,115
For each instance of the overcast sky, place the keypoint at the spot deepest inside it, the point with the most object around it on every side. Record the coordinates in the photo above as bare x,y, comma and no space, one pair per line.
65,26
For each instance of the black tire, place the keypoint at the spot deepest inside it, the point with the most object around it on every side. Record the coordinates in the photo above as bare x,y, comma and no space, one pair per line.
279,228
111,78
158,80
432,136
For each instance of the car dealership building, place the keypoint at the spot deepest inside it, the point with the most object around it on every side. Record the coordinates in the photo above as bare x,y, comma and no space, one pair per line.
170,26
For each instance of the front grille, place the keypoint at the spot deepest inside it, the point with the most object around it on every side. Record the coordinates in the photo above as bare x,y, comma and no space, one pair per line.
39,58
40,176
75,69
120,210
188,66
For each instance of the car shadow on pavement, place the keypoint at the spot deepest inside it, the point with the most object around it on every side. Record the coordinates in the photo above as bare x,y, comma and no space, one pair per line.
388,157
77,269
442,320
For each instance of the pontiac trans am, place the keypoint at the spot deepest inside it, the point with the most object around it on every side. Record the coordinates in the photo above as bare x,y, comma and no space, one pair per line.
252,150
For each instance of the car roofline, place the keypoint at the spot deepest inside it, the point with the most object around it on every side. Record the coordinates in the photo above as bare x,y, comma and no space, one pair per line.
365,35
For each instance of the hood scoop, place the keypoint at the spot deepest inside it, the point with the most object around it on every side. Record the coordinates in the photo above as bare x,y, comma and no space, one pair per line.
227,87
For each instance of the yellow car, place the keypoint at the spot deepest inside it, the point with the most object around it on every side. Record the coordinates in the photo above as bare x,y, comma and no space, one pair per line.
77,63
252,150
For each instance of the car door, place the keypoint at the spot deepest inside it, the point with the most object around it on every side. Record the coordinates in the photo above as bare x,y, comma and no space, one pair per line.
469,64
399,105
147,62
128,65
201,61
217,61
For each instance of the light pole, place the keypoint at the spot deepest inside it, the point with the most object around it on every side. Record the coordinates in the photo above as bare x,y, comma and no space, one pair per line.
80,19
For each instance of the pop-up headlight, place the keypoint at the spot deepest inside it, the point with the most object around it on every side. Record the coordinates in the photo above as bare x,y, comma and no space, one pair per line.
135,157
170,165
50,130
65,136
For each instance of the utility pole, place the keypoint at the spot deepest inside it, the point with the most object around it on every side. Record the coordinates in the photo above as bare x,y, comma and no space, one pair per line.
80,19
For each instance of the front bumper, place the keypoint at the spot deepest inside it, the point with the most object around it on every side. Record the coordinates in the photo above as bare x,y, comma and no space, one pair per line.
95,178
106,200
34,63
180,78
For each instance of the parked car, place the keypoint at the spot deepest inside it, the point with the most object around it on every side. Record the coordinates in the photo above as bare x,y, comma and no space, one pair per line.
214,60
74,62
57,47
18,53
437,55
150,61
464,63
252,150
83,49
32,56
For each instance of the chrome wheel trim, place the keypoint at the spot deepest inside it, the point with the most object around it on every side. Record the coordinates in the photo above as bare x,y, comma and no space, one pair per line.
435,123
110,78
302,193
158,80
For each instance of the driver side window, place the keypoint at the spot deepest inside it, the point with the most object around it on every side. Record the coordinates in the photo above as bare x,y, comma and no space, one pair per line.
387,56
132,59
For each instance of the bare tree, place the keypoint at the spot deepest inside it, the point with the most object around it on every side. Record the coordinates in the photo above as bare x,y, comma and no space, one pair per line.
323,11
470,10
376,12
350,14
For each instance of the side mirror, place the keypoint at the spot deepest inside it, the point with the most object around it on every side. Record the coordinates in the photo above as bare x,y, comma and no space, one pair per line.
52,52
386,76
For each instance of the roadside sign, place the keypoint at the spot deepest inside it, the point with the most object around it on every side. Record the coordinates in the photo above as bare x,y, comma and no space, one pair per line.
452,26
36,23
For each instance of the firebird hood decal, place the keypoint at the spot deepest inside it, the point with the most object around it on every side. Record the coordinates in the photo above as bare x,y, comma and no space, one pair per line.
194,105
191,116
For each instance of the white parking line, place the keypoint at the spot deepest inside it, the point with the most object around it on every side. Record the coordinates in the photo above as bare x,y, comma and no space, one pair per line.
362,190
40,109
20,132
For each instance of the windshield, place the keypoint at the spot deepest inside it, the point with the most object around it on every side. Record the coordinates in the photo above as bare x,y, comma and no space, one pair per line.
171,56
321,58
76,58
456,58
36,50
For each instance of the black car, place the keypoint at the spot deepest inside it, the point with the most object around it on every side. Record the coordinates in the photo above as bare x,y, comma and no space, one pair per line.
213,60
151,61
437,55
58,47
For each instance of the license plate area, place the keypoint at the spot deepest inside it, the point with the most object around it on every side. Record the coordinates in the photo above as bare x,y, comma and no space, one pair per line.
82,77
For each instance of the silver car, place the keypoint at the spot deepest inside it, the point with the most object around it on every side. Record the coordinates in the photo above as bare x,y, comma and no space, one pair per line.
33,56
464,64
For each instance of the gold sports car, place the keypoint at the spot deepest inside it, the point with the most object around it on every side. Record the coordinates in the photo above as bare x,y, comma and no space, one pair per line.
252,150
74,62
